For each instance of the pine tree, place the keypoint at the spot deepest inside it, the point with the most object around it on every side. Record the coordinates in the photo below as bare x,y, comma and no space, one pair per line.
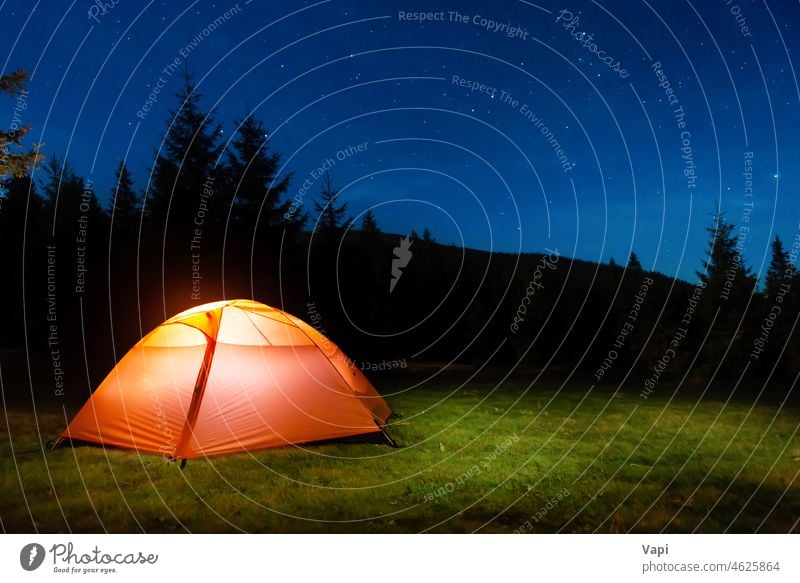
253,172
64,194
124,205
78,225
369,224
778,269
13,83
123,255
124,211
723,315
16,163
633,262
333,220
780,309
263,222
185,206
332,259
54,174
186,161
725,274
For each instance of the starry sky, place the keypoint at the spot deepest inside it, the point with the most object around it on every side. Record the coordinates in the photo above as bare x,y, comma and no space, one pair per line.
591,128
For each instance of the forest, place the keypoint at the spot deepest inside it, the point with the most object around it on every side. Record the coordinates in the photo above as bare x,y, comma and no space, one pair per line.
208,223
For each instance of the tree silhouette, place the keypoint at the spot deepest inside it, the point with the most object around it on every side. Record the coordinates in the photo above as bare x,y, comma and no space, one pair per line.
780,311
633,262
779,269
124,209
125,204
253,172
369,224
723,311
68,198
725,274
186,161
185,206
16,163
263,225
333,220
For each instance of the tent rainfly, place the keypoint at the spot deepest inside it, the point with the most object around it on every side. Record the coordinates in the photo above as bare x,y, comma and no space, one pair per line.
226,377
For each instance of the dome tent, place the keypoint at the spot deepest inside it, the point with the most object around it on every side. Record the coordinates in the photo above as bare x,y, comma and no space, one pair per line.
225,377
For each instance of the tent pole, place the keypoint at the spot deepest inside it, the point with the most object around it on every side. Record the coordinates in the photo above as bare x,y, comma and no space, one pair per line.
197,398
386,435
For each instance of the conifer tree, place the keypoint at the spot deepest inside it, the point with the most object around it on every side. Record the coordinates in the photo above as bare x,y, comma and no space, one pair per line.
778,269
333,220
124,204
369,223
725,274
185,205
68,201
725,315
780,309
253,176
633,262
14,162
186,162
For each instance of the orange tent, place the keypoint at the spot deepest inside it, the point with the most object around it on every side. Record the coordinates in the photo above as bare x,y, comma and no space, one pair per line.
225,377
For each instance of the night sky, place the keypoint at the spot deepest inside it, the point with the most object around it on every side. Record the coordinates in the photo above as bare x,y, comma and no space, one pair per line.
508,126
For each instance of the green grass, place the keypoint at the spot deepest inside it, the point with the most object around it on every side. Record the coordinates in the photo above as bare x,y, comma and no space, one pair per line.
621,464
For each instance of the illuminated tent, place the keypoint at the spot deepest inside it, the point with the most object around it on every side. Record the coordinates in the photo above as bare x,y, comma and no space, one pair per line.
226,377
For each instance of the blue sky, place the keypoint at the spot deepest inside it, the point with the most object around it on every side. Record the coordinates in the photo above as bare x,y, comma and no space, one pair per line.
473,168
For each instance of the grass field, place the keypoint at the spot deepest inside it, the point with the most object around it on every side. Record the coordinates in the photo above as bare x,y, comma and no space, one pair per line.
474,456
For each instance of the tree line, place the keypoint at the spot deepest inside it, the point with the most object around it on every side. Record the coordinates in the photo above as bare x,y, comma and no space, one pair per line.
86,280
